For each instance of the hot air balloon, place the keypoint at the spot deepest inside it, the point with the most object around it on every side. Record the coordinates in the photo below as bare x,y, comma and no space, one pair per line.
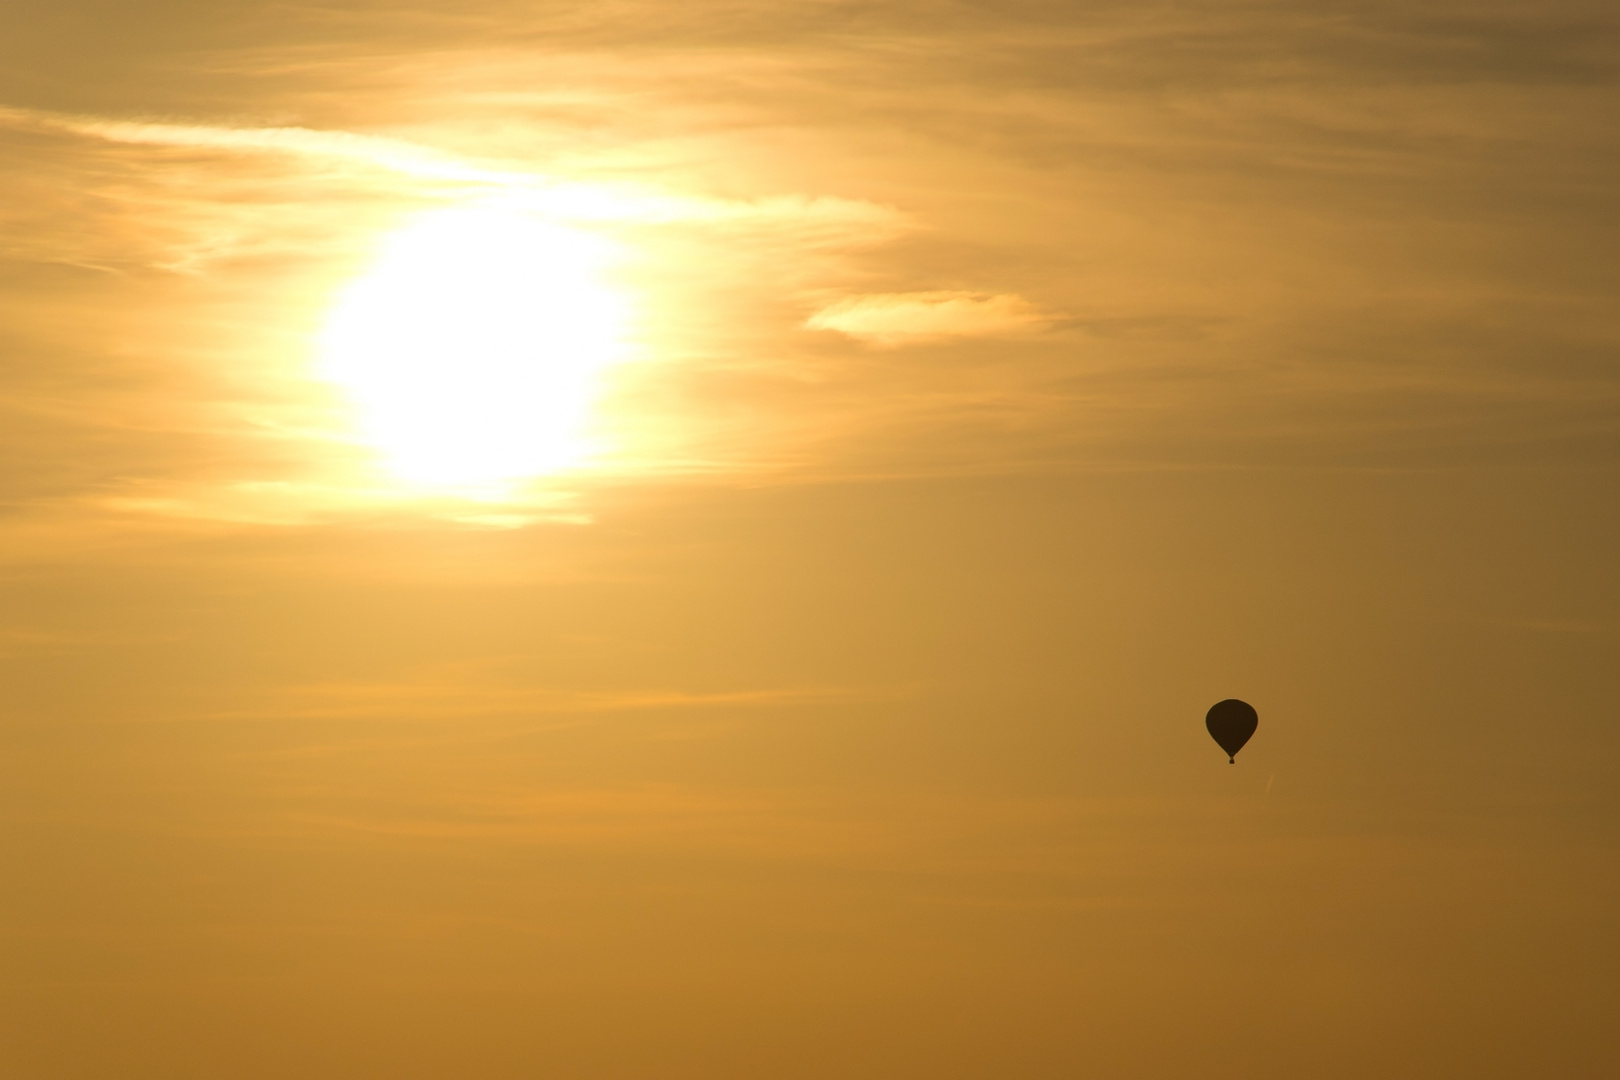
1231,722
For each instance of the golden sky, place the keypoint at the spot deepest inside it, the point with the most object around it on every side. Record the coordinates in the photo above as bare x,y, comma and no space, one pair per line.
693,541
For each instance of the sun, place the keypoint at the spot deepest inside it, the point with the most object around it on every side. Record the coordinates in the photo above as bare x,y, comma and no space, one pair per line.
473,348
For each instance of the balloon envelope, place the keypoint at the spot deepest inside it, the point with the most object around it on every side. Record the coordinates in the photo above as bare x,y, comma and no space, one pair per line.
1231,722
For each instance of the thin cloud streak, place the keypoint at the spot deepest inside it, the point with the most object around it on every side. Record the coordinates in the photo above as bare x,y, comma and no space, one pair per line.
465,699
582,202
902,318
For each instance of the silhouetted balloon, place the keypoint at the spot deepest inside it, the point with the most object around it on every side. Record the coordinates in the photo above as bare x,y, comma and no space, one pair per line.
1231,722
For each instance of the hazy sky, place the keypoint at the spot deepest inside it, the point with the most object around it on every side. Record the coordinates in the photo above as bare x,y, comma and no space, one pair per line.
653,541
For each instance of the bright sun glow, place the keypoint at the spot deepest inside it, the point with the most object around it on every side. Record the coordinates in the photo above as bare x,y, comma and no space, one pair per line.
473,348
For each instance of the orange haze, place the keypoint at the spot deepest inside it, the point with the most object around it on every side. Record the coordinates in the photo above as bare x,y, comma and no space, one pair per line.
739,600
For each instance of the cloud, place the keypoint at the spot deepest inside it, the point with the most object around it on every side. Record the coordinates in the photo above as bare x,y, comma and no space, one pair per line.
903,318
211,252
595,201
459,698
392,154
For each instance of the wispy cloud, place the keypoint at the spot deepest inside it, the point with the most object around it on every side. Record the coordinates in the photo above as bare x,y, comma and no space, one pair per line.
595,201
459,697
280,217
902,318
393,154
